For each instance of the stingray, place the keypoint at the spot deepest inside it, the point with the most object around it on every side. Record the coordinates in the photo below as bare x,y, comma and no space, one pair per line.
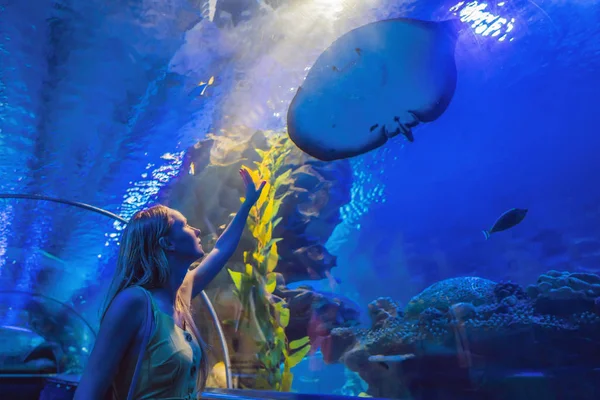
373,83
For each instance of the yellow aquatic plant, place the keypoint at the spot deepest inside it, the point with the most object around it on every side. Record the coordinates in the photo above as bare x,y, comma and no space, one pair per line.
267,318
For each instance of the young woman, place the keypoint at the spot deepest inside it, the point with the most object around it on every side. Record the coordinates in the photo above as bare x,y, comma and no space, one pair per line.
157,248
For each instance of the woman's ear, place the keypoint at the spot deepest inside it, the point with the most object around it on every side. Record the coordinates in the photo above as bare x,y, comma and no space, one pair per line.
165,244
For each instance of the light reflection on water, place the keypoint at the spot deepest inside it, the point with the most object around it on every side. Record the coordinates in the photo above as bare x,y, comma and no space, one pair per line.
483,21
141,192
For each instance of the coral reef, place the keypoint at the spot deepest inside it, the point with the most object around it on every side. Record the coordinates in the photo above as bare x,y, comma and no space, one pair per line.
382,310
562,293
442,295
468,337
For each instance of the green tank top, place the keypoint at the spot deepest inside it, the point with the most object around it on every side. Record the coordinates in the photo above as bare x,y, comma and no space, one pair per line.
170,366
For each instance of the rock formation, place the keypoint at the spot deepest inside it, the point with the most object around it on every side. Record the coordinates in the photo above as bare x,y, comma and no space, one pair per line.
470,338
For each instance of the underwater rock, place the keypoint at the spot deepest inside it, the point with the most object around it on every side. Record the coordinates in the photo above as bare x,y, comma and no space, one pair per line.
208,190
373,83
431,314
508,289
383,309
375,339
504,330
315,314
565,293
337,343
234,11
310,214
443,294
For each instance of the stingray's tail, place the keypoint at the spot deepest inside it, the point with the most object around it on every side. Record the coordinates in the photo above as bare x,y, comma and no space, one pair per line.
486,234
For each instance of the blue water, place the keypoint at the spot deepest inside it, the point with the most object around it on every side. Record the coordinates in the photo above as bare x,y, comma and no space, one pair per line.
519,133
95,106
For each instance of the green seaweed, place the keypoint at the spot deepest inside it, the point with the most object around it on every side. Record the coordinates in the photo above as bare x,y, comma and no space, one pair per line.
262,317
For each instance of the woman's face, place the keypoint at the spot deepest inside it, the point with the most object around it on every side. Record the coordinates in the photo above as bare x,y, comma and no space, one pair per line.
184,239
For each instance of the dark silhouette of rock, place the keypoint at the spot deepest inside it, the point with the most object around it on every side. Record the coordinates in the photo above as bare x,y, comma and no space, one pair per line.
313,313
564,293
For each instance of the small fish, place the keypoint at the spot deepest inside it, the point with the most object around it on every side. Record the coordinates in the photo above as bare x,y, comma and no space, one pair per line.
529,374
391,358
308,380
51,257
335,297
507,220
201,88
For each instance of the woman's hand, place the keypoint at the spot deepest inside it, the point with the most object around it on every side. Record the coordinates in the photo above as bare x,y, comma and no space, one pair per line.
252,192
225,246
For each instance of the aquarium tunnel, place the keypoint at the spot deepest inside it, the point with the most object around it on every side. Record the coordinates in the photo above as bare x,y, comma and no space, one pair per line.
429,228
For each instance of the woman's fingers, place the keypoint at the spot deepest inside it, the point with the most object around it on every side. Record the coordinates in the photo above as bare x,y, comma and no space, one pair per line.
245,176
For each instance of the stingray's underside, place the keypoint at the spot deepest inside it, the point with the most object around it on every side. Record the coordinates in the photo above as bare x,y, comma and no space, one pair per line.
373,83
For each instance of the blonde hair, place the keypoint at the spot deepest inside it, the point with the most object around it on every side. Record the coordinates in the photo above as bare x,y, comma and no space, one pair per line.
143,262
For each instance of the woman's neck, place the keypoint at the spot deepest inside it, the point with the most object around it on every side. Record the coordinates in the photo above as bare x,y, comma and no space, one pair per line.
168,291
178,268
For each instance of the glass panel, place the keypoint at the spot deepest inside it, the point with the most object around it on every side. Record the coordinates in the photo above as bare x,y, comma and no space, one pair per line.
382,263
367,275
54,273
62,252
40,335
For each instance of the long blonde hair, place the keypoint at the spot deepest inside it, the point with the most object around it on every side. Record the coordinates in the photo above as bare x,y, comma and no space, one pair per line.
143,262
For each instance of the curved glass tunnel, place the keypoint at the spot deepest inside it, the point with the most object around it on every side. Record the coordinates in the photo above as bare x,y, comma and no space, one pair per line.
374,272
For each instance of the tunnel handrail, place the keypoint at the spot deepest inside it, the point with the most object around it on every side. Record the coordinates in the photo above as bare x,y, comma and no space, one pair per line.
63,201
252,394
68,307
203,295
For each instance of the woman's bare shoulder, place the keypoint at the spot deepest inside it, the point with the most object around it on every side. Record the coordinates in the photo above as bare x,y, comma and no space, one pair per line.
118,329
131,297
125,309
